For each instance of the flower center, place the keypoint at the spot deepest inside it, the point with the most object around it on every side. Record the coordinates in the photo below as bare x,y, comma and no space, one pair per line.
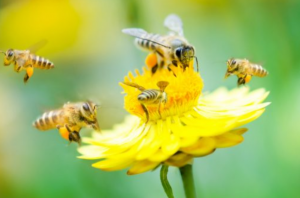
180,95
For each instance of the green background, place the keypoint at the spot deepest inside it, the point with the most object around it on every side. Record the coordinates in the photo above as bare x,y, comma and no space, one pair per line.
91,56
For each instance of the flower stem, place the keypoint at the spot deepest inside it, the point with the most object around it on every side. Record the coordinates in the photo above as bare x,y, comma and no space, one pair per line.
188,181
164,181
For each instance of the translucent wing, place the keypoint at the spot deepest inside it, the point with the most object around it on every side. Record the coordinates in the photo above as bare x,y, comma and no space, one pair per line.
174,23
20,62
35,47
142,34
136,32
131,84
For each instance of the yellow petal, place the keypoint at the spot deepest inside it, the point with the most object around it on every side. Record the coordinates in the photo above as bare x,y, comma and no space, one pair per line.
141,167
231,138
170,144
203,146
151,145
188,141
159,156
92,152
113,164
179,160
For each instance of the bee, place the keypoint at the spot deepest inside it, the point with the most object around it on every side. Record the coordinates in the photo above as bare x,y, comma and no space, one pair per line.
172,49
244,70
70,119
25,60
151,96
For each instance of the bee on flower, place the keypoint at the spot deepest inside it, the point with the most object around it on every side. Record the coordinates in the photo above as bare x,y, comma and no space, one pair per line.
190,125
169,50
151,96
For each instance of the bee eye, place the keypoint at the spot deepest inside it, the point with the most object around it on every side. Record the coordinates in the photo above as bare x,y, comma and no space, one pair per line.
10,53
178,52
233,62
86,107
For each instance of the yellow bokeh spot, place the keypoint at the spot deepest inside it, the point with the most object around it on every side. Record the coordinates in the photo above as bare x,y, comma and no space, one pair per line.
25,23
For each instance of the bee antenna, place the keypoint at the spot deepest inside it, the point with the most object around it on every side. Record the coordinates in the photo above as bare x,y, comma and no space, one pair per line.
155,42
158,43
2,52
196,63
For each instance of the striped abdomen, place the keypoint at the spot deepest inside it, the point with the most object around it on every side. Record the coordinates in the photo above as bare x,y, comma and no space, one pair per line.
150,96
40,62
49,120
147,44
258,70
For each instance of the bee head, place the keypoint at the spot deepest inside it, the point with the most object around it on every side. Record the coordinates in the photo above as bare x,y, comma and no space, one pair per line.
89,114
185,54
232,66
9,57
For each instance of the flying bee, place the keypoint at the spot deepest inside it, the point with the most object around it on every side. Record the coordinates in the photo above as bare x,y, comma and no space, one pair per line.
172,49
70,119
151,96
25,60
244,70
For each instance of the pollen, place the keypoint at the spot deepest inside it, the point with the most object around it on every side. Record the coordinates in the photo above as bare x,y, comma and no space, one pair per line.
29,71
182,92
151,60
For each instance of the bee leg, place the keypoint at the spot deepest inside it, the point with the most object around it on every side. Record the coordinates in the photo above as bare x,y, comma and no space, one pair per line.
146,111
17,67
174,62
29,73
73,135
170,69
154,69
241,81
159,106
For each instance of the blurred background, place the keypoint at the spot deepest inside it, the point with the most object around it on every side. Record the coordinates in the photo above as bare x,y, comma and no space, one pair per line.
91,56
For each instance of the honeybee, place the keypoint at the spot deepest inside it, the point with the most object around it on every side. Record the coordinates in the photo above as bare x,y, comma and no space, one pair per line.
151,96
244,70
25,60
70,119
172,49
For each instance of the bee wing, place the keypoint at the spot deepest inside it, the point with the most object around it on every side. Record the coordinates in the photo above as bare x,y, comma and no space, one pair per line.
142,34
35,47
131,84
174,23
162,85
21,60
136,32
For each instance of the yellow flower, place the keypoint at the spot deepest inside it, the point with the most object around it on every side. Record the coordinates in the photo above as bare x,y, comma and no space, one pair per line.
189,125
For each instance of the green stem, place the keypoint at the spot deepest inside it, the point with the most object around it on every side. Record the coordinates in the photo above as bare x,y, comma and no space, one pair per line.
164,181
188,181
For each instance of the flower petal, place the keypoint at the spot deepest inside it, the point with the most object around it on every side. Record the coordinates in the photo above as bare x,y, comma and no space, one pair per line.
231,138
141,167
202,147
